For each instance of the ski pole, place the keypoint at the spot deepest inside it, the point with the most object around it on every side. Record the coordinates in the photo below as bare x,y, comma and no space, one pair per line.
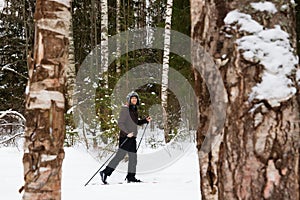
142,137
105,163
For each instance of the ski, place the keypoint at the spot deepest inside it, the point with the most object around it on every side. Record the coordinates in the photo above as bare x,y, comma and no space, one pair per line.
132,183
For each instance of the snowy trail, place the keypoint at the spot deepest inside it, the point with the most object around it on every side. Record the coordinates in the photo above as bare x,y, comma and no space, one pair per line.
180,180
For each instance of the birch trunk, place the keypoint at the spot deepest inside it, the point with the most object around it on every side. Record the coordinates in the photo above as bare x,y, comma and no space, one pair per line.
138,23
118,30
165,70
104,40
70,70
136,13
259,155
45,102
149,21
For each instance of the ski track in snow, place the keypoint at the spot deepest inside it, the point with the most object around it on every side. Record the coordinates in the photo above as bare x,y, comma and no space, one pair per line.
178,181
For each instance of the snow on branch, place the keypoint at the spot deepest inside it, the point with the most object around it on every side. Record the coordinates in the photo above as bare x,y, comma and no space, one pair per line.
12,137
7,67
4,113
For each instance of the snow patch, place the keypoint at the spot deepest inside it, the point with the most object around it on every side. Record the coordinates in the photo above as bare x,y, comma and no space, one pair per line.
284,8
293,2
245,22
2,4
66,3
45,158
274,88
298,76
265,6
44,169
270,48
43,99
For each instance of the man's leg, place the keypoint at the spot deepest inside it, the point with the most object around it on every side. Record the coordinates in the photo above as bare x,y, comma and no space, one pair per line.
132,164
112,165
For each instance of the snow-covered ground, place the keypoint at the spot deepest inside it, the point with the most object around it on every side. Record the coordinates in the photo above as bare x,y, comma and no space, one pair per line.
178,181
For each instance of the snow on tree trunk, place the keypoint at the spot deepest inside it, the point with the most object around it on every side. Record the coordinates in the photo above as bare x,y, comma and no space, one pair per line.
165,70
104,40
253,44
45,102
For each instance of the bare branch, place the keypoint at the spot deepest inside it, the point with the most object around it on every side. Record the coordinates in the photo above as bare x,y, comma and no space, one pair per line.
14,136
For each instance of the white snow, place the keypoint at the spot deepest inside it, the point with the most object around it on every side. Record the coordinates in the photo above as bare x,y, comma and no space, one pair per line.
298,76
264,6
274,88
179,181
2,4
270,48
245,21
45,158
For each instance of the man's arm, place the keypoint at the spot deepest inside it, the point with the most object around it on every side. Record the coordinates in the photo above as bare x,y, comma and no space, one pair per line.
144,121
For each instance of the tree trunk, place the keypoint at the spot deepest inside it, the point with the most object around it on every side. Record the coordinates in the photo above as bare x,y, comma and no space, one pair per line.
149,21
45,102
165,70
70,70
258,157
104,40
118,30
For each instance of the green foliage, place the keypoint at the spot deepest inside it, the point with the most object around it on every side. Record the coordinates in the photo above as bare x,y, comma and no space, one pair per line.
16,39
149,94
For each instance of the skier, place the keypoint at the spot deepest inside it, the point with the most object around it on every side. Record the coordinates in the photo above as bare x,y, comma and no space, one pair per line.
128,121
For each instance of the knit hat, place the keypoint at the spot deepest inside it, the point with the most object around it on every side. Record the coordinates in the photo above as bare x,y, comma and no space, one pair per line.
133,94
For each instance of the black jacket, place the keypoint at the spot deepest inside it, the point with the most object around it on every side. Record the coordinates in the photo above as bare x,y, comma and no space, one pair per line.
128,120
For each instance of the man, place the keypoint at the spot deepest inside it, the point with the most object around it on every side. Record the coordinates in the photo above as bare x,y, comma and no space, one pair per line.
128,121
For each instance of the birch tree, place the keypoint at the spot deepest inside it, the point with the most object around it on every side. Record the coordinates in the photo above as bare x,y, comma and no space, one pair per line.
165,70
45,102
253,44
149,21
136,13
118,30
70,70
104,39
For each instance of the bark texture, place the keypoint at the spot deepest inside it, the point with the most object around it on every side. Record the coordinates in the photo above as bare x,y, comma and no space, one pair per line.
70,71
118,31
104,40
165,69
45,102
258,157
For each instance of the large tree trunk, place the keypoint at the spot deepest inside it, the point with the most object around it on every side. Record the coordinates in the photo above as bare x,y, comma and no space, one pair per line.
258,157
165,69
45,102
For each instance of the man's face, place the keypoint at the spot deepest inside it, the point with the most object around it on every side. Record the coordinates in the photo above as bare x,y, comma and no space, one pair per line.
133,100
